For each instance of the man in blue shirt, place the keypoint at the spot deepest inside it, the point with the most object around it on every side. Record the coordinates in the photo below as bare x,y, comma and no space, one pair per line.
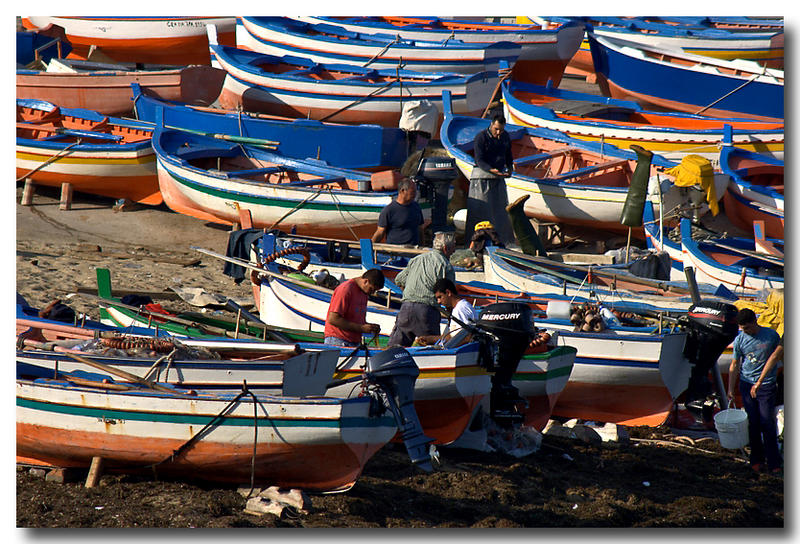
401,219
487,198
756,371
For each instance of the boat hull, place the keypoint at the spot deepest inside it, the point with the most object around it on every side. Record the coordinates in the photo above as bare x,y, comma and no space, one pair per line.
110,93
153,40
319,445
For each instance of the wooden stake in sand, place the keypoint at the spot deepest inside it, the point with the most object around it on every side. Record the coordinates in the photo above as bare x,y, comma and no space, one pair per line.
95,471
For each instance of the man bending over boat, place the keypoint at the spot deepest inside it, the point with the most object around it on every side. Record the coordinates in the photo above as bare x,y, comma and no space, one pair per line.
401,220
347,312
419,312
460,310
487,197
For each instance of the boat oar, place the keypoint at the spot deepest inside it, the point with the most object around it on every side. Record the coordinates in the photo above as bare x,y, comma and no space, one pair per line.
122,374
272,144
73,132
208,329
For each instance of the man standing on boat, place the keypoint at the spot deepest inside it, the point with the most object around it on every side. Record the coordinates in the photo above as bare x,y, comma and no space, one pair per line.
756,370
487,198
459,308
401,220
419,313
347,312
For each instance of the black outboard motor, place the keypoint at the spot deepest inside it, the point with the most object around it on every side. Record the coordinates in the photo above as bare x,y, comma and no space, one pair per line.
711,326
508,330
433,177
395,372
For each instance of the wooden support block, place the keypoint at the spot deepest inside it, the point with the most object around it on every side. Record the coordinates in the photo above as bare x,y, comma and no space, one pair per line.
66,197
27,192
64,475
95,471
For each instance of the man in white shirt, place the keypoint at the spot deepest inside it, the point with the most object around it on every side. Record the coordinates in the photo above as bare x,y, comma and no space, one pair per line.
459,308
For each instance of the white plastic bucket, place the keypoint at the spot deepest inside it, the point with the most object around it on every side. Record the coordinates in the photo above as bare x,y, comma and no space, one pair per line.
731,427
558,309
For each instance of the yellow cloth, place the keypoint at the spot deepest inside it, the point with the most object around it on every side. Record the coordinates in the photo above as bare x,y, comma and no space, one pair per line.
697,170
770,313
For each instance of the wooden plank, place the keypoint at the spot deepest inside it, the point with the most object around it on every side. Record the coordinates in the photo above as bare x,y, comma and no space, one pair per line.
95,471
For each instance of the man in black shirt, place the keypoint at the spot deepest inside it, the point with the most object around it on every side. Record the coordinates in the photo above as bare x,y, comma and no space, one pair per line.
487,198
401,220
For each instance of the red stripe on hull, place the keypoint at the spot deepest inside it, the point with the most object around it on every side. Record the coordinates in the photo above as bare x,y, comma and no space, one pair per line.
540,409
539,71
177,51
445,420
320,468
620,404
139,189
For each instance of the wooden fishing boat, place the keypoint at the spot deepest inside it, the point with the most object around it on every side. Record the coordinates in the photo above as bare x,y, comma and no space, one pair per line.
659,357
106,88
567,180
755,192
158,40
761,41
544,55
667,238
726,262
516,273
327,43
540,377
638,365
202,177
301,88
680,81
269,368
314,443
378,147
94,153
449,387
623,123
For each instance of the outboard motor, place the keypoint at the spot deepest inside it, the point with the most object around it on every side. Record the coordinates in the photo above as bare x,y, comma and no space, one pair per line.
395,372
711,326
507,329
433,177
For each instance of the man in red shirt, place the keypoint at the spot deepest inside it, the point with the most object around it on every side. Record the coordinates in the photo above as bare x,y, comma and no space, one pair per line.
347,312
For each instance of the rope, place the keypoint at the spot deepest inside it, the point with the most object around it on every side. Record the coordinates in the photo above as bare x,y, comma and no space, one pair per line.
359,100
186,445
341,213
506,75
50,160
752,78
382,51
299,205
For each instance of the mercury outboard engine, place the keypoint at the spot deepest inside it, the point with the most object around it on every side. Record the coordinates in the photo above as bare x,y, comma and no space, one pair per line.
395,372
433,177
711,326
507,329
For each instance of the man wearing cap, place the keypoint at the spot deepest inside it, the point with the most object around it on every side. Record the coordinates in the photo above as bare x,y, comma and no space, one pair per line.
487,198
419,312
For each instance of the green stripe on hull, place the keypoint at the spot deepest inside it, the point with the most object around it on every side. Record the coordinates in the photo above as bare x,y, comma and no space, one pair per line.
278,203
200,420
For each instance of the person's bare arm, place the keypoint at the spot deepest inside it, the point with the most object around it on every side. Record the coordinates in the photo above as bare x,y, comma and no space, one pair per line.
345,324
777,355
380,232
